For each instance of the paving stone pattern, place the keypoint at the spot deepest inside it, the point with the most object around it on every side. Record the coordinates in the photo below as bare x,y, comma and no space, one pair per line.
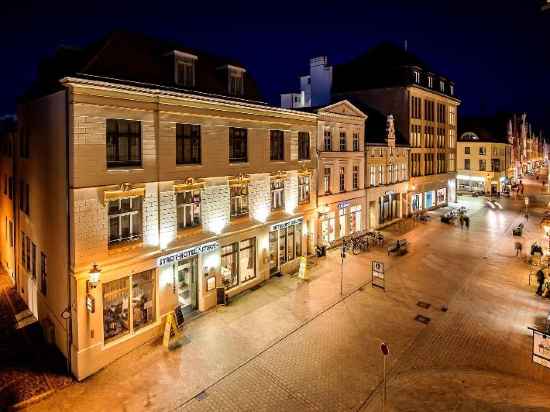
298,346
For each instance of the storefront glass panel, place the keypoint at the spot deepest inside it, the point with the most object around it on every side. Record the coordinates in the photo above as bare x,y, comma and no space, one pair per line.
442,195
355,219
273,255
299,240
247,259
429,199
229,265
186,284
116,305
342,221
143,299
416,202
327,228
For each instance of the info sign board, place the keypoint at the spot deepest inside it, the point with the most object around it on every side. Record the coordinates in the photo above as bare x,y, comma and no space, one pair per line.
541,348
378,278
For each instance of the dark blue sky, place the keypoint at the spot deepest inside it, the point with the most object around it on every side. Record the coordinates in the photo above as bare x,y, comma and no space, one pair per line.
497,52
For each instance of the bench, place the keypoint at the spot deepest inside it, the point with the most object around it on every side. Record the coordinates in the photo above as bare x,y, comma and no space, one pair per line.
398,247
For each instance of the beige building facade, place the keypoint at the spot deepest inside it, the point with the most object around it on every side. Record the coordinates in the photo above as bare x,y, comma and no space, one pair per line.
342,207
165,228
483,165
387,179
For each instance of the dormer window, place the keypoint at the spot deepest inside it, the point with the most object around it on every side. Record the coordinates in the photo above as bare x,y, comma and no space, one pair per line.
430,81
451,90
236,80
416,76
442,86
185,69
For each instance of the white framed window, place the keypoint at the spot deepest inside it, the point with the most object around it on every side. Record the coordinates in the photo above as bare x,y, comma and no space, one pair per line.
380,174
442,85
430,81
188,205
277,194
125,219
236,81
356,141
355,178
303,189
185,73
238,196
373,176
342,179
343,145
327,142
326,180
416,76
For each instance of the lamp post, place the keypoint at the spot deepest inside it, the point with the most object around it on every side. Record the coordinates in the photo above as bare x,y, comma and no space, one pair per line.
342,255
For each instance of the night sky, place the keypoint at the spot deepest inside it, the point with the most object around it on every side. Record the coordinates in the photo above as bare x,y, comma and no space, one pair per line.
497,52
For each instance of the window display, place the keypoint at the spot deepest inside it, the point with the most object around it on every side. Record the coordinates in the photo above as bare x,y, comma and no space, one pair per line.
229,265
355,219
342,221
298,240
247,259
143,299
442,195
116,305
327,228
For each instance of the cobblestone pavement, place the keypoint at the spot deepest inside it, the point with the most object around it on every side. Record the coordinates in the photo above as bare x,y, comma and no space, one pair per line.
29,369
298,346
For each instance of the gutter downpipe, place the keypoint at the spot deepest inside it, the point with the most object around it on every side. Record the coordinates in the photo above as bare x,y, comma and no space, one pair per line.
68,192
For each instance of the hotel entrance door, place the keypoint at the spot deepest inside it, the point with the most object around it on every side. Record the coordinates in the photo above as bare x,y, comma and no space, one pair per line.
186,284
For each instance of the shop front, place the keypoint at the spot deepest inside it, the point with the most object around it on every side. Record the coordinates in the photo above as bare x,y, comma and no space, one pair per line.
388,206
285,245
339,220
471,183
441,196
416,202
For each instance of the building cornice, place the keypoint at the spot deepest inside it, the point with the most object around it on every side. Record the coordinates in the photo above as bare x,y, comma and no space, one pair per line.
191,97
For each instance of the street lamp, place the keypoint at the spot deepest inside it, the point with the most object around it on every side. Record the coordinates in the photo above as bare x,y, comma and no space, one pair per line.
93,276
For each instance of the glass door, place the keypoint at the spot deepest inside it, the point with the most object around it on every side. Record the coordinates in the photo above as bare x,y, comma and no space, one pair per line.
186,284
273,255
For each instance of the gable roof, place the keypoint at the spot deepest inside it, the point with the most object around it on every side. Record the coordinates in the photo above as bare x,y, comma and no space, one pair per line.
134,58
343,107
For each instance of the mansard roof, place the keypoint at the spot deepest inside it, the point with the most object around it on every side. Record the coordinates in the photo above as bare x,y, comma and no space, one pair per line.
386,65
137,59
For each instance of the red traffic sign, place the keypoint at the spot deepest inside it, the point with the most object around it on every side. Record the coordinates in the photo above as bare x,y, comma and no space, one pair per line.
384,348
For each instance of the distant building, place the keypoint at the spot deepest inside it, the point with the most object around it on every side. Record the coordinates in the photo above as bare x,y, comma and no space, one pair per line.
484,155
315,88
424,107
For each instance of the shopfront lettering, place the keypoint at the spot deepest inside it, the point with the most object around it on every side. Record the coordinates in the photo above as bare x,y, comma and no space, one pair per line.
343,204
284,225
187,253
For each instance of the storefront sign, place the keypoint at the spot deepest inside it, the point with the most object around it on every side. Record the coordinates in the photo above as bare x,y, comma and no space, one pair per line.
284,225
378,279
541,348
90,303
187,253
343,204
